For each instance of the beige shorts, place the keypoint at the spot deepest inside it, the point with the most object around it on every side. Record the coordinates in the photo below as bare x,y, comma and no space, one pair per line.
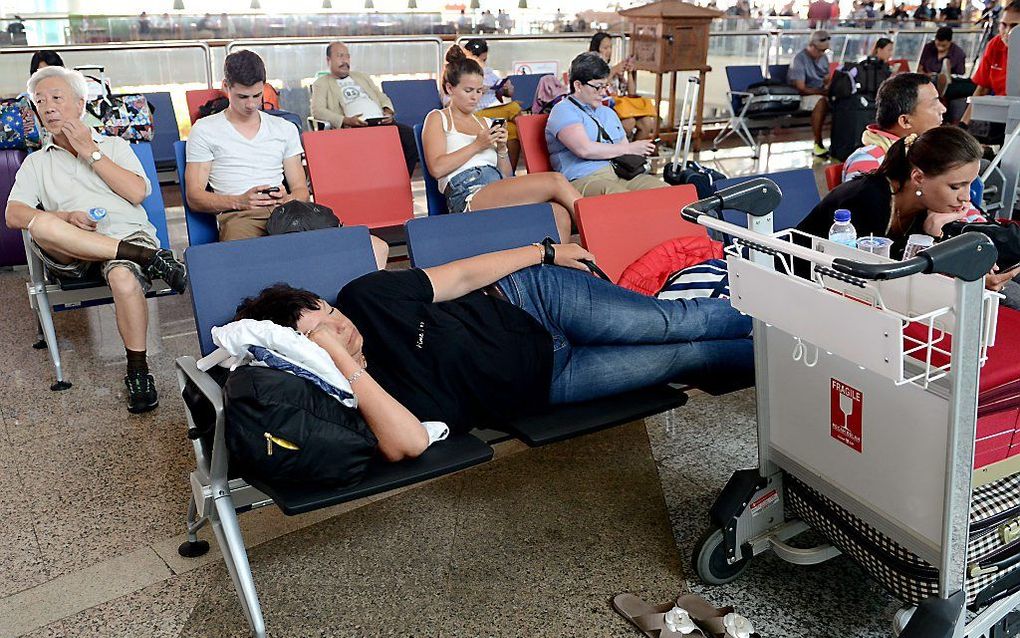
79,268
605,181
808,102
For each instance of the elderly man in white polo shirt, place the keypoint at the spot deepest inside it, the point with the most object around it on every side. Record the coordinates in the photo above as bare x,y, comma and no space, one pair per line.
77,170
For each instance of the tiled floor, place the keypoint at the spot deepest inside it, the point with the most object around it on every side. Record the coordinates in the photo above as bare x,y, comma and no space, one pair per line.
533,544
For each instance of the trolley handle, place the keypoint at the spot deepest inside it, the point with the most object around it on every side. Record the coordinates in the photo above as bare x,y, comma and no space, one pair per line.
969,256
759,196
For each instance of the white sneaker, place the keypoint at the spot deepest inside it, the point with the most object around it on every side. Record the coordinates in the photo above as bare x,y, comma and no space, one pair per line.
901,619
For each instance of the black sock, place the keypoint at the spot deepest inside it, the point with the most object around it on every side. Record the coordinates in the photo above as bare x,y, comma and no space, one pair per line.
141,255
136,361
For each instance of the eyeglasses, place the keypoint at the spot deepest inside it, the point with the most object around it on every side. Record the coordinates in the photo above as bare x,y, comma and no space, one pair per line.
597,87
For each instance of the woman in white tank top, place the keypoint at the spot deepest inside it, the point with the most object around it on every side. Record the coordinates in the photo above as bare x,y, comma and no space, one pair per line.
469,157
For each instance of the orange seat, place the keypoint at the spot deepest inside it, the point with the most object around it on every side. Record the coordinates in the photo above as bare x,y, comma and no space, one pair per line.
531,131
198,97
621,227
834,175
900,65
360,173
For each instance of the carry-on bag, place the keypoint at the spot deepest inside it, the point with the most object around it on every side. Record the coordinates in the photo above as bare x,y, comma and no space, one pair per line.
688,171
12,248
21,127
850,116
769,98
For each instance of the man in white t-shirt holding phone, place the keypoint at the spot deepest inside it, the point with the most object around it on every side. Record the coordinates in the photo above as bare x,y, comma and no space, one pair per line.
244,155
347,99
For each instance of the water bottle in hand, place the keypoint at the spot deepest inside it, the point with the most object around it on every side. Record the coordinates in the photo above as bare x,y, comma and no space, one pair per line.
98,215
842,231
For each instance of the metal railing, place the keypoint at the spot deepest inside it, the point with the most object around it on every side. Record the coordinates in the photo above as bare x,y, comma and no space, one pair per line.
14,61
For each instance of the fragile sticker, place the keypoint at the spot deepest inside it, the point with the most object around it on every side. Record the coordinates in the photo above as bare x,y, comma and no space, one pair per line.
846,408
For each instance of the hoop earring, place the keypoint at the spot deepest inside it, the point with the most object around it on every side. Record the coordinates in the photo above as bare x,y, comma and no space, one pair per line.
918,192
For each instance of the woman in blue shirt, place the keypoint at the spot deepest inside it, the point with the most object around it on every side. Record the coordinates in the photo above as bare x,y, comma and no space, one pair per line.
577,146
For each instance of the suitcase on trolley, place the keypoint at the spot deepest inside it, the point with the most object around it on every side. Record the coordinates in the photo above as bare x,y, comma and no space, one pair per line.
12,248
993,547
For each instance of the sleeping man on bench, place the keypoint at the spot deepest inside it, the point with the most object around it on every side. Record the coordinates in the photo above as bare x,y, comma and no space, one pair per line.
477,341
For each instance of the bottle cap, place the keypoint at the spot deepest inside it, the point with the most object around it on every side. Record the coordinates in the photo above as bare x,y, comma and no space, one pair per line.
95,214
842,215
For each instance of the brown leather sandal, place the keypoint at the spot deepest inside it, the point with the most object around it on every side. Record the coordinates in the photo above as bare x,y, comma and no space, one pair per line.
657,621
716,622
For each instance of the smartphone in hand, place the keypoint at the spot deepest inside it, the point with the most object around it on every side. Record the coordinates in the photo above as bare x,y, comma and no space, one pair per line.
496,122
269,191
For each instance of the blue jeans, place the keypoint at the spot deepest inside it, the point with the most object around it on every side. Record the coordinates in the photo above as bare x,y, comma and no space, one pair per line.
463,186
607,339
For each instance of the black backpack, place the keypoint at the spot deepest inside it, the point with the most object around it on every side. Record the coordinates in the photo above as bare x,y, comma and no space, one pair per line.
296,216
284,430
213,106
863,77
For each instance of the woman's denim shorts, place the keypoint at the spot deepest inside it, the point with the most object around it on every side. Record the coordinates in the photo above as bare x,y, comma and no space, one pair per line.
463,186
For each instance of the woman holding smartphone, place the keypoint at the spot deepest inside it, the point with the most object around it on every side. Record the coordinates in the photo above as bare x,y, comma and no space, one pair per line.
637,114
470,158
497,101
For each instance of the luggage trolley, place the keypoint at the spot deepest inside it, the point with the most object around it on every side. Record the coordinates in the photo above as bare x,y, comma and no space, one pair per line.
867,381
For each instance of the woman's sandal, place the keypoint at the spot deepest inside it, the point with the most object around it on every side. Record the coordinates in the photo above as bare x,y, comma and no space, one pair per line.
721,622
656,621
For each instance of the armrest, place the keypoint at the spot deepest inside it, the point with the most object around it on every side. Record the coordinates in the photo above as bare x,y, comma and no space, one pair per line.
216,467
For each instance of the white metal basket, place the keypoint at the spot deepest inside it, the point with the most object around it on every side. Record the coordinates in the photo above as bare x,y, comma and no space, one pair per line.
900,329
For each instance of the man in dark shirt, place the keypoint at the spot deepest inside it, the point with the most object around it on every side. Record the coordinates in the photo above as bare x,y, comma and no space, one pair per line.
481,340
941,50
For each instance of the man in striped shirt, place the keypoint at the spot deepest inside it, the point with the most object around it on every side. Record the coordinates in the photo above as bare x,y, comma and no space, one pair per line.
906,103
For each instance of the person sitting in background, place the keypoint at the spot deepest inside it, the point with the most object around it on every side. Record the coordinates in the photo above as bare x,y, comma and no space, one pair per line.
951,13
809,74
922,185
77,170
468,155
247,158
497,336
43,59
941,54
348,99
583,134
883,50
637,114
990,75
906,103
497,101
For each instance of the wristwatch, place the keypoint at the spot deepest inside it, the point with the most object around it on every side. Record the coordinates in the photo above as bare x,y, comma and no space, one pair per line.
94,157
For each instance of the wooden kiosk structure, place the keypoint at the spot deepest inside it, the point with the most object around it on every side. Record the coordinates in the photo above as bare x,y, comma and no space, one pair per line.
666,37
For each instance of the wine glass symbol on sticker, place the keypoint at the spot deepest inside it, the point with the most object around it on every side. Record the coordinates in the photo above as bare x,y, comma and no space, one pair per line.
846,406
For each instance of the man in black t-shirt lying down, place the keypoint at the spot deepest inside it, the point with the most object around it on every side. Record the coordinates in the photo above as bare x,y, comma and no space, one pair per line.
484,339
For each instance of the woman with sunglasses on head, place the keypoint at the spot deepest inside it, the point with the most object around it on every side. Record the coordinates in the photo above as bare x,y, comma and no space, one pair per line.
468,154
584,135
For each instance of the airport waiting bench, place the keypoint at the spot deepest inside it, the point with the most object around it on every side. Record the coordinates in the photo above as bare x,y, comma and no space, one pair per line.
224,273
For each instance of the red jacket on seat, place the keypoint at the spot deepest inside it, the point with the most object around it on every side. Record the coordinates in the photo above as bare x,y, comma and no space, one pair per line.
648,274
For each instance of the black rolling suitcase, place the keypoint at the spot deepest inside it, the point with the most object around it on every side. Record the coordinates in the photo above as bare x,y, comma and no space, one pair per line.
850,116
678,172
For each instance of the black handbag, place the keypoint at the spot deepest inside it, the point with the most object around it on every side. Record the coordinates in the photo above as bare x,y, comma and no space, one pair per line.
296,216
626,166
285,430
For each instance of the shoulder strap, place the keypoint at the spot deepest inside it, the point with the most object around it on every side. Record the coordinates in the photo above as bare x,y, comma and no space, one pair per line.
602,131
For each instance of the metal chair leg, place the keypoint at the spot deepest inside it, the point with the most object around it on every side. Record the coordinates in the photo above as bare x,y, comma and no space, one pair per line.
193,547
50,334
228,534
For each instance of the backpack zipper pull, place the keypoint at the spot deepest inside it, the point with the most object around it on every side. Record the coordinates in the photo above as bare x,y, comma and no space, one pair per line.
284,443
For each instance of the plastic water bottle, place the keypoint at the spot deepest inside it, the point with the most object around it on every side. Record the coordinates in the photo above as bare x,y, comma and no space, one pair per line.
842,231
98,215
